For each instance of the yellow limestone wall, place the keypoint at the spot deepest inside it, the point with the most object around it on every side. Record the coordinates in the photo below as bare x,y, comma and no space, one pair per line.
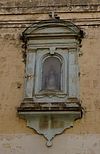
15,137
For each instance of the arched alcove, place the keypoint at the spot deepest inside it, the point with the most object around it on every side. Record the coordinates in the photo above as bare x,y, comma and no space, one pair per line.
51,73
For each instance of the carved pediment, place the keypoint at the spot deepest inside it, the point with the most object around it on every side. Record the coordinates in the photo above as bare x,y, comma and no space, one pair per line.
53,26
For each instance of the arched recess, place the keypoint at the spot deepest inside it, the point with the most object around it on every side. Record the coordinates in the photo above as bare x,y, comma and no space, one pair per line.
52,73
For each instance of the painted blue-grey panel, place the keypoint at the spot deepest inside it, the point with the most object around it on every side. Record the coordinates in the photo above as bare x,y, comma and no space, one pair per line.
29,75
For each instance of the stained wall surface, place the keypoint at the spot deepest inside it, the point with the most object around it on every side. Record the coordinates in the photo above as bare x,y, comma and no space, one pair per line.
15,137
33,3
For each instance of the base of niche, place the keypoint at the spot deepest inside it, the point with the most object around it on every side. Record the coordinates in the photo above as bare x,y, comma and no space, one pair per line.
50,119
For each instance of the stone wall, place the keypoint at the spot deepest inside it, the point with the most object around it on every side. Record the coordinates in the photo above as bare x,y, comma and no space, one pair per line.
15,137
30,3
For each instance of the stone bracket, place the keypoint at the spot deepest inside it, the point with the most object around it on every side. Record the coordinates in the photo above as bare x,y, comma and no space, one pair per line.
50,123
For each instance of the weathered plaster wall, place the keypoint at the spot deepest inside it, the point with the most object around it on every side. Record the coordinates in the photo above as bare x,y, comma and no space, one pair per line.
15,137
65,144
12,77
47,2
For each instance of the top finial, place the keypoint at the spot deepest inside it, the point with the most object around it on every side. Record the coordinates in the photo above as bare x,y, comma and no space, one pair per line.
53,15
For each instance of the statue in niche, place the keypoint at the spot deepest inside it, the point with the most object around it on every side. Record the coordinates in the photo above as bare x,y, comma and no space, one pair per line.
51,79
51,74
